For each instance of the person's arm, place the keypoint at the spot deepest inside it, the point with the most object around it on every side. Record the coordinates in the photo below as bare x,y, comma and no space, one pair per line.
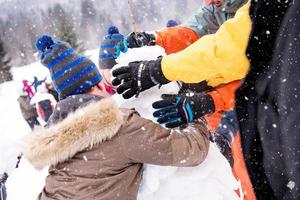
148,142
217,58
175,39
203,21
224,96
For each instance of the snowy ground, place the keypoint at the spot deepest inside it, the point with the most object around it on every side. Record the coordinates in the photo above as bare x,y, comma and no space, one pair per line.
212,180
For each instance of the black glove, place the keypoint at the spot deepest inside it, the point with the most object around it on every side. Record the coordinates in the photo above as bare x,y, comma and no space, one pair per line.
140,39
194,87
176,110
224,146
225,134
137,77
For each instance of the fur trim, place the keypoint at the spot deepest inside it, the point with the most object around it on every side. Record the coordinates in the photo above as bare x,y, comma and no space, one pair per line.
86,127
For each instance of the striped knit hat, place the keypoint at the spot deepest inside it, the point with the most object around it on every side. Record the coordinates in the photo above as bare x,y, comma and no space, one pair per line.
71,73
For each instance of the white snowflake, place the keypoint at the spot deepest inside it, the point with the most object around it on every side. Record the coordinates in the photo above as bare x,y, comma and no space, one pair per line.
291,185
85,158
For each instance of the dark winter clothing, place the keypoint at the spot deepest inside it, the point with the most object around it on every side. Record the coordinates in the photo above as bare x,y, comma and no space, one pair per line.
28,111
171,23
44,103
71,73
46,109
229,126
175,110
267,103
32,122
110,49
225,134
137,77
26,108
97,151
3,194
36,82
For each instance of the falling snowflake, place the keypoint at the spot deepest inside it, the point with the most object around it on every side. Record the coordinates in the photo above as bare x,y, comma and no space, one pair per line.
85,158
291,185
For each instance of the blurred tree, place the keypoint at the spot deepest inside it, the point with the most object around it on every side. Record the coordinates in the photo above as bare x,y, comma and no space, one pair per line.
88,13
66,31
88,22
5,74
181,6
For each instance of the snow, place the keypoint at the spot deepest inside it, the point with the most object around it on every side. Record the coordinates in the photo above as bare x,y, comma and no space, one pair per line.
212,180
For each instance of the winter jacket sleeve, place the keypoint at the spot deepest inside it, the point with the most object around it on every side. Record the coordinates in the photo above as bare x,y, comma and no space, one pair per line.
203,22
175,39
148,142
224,96
217,58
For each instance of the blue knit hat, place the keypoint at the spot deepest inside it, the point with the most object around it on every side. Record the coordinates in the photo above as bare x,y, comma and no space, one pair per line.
112,30
172,23
71,73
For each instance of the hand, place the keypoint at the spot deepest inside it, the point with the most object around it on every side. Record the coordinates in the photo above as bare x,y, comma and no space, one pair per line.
194,87
176,110
137,77
140,39
229,126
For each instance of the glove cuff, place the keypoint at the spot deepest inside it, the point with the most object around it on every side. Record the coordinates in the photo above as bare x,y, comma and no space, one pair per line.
204,106
156,73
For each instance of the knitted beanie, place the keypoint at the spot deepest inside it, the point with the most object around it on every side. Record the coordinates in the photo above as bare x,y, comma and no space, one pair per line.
112,30
70,72
171,23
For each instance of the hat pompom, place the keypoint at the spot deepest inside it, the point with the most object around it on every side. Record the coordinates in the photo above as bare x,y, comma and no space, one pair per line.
172,23
113,30
43,43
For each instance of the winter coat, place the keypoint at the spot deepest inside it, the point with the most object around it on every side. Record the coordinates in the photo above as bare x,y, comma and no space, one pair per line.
27,109
268,102
44,103
97,151
110,49
217,58
208,19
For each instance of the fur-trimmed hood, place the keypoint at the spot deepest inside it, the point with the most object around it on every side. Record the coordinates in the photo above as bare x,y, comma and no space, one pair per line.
86,127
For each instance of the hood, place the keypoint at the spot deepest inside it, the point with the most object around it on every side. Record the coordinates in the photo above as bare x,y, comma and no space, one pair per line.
87,126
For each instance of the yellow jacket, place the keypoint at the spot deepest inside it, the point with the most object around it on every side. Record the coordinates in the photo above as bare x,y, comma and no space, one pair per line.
217,58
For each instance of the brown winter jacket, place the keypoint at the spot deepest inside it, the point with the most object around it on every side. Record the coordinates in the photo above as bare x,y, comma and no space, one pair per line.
97,152
27,109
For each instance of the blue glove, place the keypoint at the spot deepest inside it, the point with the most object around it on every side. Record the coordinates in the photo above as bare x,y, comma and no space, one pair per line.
176,110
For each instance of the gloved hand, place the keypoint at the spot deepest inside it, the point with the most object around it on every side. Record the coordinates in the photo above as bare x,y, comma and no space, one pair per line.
137,77
140,39
194,87
229,126
176,110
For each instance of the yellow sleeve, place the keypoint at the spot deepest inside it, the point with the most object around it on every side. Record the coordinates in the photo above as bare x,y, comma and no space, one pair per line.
217,58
